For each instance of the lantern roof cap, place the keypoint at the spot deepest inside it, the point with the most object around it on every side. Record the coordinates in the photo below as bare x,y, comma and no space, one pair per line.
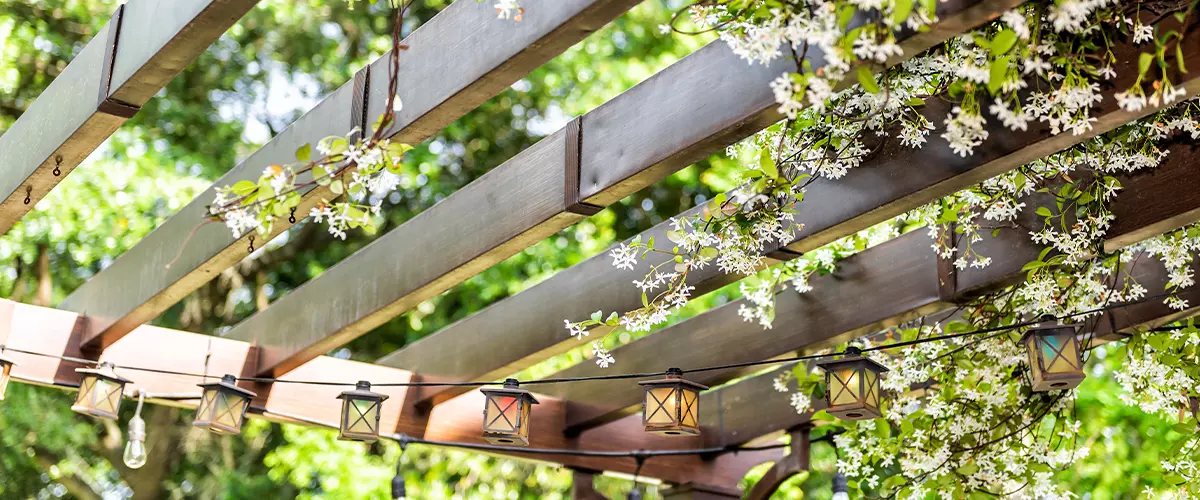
105,370
674,376
1048,323
852,355
229,382
511,388
362,390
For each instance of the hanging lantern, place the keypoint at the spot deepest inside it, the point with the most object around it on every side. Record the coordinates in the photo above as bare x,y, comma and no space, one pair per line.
506,414
100,391
360,413
671,406
6,366
223,406
852,386
1054,361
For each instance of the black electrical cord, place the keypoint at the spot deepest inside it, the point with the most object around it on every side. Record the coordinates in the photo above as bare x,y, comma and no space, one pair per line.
626,376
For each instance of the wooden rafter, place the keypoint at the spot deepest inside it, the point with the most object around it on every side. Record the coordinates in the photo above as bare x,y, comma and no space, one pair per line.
146,43
796,461
453,64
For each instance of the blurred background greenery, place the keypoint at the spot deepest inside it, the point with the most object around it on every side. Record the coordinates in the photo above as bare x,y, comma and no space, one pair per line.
270,68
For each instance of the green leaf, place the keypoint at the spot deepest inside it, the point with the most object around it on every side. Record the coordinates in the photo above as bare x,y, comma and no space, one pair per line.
997,74
304,153
1179,58
398,149
767,164
1144,63
867,80
915,101
321,175
1004,42
336,187
597,316
1044,212
709,252
901,10
243,188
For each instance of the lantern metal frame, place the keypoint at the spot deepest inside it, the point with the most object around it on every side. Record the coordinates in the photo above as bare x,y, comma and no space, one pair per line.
100,392
353,414
6,366
868,395
681,406
1061,342
500,425
215,404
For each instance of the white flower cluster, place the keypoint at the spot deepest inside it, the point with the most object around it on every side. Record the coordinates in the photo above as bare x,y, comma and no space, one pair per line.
1155,387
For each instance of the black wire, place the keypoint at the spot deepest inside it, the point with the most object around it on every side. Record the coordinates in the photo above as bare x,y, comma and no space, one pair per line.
591,453
625,376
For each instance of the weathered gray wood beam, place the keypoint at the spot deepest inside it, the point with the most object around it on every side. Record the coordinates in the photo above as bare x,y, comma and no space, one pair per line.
455,62
143,47
701,104
878,287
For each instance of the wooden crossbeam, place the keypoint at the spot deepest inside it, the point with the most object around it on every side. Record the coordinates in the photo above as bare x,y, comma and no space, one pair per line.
625,148
50,331
882,286
144,45
455,62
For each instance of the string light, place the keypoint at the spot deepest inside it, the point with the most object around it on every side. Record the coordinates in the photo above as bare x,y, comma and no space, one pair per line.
398,489
852,386
1054,357
6,366
671,406
100,391
841,489
506,414
135,447
636,492
361,409
223,406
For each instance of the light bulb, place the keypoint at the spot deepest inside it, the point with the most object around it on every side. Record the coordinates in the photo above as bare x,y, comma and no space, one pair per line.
840,486
135,449
398,492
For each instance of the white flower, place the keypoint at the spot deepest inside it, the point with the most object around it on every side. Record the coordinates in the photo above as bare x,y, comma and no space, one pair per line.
508,9
603,357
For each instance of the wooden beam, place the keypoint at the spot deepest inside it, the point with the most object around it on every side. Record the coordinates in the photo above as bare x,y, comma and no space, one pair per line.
881,286
582,486
527,327
796,461
626,147
144,45
57,332
454,63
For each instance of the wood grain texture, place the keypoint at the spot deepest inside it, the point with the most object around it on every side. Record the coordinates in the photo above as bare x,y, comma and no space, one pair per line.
451,67
65,120
437,249
52,331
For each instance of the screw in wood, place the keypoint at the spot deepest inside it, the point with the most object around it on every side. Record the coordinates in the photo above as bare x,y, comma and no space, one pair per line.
28,192
57,164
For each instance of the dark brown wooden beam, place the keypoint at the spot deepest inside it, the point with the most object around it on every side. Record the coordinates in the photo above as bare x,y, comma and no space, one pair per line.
625,148
116,73
454,63
795,462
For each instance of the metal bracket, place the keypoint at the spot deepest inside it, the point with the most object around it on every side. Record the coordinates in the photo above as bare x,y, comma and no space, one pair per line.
107,104
574,160
362,89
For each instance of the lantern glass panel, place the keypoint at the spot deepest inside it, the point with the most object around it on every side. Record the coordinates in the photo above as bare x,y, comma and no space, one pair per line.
870,388
660,405
5,373
844,386
362,416
690,416
1059,353
229,410
84,397
503,414
524,429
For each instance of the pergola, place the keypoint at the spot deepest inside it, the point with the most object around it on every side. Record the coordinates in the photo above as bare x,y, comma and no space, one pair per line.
455,62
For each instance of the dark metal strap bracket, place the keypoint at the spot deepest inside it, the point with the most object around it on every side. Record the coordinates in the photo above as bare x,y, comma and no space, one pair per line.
574,160
362,89
107,104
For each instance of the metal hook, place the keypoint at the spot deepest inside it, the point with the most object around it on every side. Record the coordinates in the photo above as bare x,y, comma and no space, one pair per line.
292,217
251,243
57,164
28,193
